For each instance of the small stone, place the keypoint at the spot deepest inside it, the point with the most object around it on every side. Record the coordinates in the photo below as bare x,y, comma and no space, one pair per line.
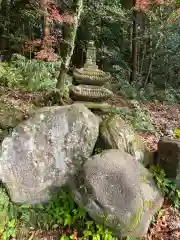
169,157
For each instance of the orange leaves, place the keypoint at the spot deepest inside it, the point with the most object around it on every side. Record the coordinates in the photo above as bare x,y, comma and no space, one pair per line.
55,15
166,226
47,54
144,4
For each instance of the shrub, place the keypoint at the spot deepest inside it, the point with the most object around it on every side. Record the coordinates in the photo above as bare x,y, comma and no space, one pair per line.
167,186
61,213
31,75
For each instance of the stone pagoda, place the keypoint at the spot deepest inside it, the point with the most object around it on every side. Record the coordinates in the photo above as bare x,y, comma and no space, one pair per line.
89,81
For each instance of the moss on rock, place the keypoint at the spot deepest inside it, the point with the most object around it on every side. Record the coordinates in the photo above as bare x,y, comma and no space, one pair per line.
148,204
120,135
135,220
13,111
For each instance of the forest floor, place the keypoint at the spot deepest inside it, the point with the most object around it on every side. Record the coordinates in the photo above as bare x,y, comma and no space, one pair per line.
165,118
166,226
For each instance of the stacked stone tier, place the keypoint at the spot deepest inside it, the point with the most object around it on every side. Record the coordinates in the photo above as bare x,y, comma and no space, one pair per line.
90,93
91,76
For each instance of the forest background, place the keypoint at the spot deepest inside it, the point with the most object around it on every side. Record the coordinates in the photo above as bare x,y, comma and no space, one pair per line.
137,41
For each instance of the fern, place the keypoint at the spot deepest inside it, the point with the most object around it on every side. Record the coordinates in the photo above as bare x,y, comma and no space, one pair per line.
31,75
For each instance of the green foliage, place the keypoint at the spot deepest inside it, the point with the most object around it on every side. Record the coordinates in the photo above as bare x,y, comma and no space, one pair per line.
177,132
96,232
10,230
158,48
167,186
60,212
109,26
7,225
98,150
137,117
30,75
19,22
92,232
150,93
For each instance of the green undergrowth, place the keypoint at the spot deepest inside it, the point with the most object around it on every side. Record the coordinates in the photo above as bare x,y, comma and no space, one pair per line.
177,133
151,92
34,75
137,117
31,75
61,213
167,186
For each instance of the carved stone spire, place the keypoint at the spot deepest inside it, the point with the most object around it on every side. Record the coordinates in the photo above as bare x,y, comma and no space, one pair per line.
91,56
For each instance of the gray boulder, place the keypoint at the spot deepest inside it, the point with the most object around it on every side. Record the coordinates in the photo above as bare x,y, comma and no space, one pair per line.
117,191
169,157
117,134
44,150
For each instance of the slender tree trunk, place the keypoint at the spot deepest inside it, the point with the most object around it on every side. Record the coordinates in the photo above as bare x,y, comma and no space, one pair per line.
70,40
5,6
150,54
46,28
134,47
143,45
153,55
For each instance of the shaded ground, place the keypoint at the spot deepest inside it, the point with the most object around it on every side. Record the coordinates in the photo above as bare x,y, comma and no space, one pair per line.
166,226
165,119
54,234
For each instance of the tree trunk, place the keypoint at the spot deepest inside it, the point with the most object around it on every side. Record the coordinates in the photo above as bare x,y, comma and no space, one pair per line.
46,28
70,41
134,47
5,6
150,54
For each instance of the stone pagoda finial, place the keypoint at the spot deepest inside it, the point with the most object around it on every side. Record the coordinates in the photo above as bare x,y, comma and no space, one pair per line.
91,55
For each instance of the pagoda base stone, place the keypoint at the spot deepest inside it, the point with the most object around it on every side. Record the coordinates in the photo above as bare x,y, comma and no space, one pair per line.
92,105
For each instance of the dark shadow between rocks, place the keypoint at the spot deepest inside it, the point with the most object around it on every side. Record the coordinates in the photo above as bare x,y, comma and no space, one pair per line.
100,145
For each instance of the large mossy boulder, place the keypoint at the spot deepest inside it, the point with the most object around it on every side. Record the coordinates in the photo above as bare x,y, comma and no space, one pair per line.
117,134
169,157
117,191
43,151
